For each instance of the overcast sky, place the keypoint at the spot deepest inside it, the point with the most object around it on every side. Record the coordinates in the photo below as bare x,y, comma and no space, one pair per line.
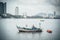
33,7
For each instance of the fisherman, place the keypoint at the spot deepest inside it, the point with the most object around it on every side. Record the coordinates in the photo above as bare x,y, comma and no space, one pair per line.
33,27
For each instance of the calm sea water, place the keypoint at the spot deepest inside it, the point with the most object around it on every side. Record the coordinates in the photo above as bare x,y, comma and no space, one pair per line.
8,30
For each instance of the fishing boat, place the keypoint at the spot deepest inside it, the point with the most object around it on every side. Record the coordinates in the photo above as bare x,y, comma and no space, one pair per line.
33,29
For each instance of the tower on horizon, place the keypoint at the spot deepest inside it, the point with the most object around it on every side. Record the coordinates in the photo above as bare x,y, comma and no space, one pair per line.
17,11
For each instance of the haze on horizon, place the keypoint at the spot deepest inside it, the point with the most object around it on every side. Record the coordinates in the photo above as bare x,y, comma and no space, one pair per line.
33,7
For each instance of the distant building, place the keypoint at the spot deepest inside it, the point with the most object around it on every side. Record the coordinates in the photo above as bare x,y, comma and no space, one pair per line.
25,15
2,8
54,13
17,11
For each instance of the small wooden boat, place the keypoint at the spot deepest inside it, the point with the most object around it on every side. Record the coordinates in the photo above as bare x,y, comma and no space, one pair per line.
29,29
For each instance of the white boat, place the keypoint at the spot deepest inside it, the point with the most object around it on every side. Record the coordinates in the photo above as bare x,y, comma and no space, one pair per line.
33,29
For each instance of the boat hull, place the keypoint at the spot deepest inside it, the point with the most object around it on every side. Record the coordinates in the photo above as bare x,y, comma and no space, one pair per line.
28,29
24,30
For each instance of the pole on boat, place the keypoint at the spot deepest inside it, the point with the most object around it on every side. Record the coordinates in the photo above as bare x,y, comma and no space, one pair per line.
26,25
40,25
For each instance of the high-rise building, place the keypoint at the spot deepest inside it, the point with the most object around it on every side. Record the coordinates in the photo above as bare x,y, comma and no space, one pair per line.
16,10
2,8
54,13
5,7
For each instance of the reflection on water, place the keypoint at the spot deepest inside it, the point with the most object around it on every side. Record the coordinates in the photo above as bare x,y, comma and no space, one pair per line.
8,30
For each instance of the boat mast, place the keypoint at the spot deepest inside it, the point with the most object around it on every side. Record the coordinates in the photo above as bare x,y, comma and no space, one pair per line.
40,25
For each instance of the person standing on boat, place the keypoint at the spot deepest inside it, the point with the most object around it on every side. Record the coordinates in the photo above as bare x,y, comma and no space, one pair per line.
33,27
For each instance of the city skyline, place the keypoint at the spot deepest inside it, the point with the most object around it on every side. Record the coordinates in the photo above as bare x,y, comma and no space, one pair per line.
32,7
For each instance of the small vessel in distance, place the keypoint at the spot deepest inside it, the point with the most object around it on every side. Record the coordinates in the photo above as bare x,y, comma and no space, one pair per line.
33,29
49,31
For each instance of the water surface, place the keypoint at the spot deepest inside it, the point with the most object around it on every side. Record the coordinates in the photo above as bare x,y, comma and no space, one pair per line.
8,30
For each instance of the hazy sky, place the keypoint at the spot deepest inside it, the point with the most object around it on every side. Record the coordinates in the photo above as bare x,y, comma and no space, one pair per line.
33,7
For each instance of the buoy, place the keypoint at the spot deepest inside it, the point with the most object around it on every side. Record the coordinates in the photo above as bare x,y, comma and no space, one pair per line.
49,31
